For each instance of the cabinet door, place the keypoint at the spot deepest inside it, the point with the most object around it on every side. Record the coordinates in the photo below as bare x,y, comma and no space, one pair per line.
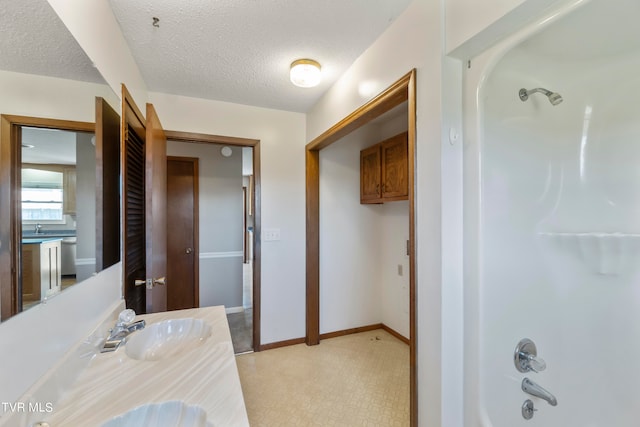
30,273
395,168
370,169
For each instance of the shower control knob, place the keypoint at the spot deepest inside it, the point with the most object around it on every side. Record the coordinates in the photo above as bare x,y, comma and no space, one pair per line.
526,357
528,409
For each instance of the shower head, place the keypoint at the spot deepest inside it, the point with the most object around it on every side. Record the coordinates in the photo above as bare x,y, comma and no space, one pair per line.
554,97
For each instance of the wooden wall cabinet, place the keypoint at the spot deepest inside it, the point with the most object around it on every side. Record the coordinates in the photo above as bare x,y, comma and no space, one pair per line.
384,171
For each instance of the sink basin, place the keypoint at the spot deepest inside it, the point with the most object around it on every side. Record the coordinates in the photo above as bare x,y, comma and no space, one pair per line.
167,338
167,414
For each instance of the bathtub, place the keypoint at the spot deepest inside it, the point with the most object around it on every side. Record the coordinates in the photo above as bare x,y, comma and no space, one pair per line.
552,220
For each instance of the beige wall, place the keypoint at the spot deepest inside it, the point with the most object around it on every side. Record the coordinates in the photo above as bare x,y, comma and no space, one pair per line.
281,136
220,227
413,41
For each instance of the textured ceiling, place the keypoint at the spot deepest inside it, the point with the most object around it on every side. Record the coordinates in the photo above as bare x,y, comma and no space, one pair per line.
33,40
240,50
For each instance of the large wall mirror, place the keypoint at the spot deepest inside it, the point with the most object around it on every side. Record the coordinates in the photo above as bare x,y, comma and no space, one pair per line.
59,163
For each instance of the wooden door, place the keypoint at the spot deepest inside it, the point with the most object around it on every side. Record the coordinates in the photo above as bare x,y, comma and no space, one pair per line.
370,166
182,235
107,185
395,183
156,213
144,180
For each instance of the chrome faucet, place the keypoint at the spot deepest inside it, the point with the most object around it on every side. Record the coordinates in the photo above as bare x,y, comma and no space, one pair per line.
123,328
38,229
534,389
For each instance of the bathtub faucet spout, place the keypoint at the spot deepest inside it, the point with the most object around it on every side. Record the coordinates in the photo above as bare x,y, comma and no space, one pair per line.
534,389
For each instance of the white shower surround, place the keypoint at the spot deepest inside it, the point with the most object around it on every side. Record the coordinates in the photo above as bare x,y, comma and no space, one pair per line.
552,218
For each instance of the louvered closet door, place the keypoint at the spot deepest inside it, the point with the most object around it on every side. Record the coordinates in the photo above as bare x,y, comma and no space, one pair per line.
144,175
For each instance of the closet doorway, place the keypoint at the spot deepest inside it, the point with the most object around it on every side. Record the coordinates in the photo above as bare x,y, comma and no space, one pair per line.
402,91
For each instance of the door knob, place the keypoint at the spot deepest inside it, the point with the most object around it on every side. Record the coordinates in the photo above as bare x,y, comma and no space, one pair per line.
188,251
150,283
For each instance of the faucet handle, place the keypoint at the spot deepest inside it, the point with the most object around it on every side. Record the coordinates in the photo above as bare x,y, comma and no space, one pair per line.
126,316
526,357
536,364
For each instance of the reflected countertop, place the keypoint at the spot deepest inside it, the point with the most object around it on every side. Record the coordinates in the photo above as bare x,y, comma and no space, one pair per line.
48,233
39,240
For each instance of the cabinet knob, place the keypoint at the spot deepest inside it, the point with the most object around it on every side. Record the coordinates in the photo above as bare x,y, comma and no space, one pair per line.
188,251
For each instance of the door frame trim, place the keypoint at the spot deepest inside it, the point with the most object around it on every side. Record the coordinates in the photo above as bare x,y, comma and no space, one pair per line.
10,232
201,138
196,223
402,90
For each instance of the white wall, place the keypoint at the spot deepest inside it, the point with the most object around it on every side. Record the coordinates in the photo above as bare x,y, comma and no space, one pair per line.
466,18
220,228
33,342
94,26
415,39
473,26
394,226
350,240
50,97
247,161
361,246
85,206
281,136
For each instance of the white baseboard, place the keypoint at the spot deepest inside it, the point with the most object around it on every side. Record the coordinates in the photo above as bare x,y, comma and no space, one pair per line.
230,310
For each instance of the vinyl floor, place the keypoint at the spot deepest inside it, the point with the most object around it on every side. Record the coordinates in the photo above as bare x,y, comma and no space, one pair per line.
353,380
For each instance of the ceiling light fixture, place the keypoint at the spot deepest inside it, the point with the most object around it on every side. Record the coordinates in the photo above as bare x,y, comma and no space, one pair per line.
305,73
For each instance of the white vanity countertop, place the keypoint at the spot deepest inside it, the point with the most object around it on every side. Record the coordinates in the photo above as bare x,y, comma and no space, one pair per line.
206,376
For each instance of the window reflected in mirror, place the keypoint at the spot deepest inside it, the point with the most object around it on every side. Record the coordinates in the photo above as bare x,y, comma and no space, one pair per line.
58,211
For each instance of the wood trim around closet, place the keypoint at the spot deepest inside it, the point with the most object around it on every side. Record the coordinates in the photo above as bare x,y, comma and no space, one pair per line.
402,90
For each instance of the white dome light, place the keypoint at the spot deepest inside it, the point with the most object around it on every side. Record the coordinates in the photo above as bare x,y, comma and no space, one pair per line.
305,73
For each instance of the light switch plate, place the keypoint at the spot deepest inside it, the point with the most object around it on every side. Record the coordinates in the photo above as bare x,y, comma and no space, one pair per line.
271,234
